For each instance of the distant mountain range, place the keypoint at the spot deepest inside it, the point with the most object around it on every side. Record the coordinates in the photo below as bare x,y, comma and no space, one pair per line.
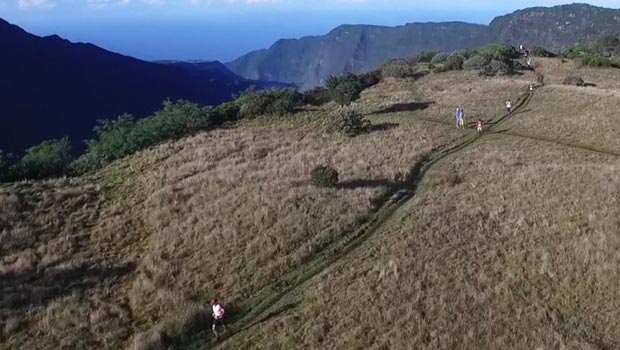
50,87
308,61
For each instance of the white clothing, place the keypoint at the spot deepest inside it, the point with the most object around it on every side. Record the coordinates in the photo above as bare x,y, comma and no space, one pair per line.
218,311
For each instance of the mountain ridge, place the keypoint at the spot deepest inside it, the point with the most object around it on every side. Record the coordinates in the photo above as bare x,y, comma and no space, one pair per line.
309,60
54,88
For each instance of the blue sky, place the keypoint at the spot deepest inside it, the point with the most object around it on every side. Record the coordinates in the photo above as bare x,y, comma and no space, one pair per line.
226,29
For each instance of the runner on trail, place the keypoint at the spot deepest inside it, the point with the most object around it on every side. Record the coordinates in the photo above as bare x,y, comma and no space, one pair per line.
509,106
457,115
531,89
461,119
480,125
218,316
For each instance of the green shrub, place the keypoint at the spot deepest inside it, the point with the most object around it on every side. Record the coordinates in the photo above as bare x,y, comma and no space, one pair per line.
370,79
284,101
426,56
348,121
48,159
344,89
324,176
317,96
573,80
454,61
542,52
118,138
520,65
226,112
496,68
476,62
114,139
440,57
253,103
594,60
173,121
440,68
499,52
399,68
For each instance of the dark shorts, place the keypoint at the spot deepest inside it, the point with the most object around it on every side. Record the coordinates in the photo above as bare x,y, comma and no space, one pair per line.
218,321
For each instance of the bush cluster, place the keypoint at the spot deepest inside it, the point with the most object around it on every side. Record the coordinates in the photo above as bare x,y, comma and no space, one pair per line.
604,52
400,68
476,62
253,103
50,158
426,56
496,68
542,52
348,121
344,89
324,176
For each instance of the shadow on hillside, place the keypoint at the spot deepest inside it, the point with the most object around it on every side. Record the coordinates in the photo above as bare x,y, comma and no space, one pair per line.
383,127
405,107
36,288
368,183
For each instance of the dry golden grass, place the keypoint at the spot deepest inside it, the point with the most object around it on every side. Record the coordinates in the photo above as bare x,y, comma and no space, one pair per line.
436,96
520,252
585,116
223,213
555,70
503,247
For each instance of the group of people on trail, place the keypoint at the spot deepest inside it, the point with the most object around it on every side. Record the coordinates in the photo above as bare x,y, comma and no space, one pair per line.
460,120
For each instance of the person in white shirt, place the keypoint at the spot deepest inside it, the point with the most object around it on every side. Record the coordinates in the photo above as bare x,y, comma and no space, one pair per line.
509,106
218,312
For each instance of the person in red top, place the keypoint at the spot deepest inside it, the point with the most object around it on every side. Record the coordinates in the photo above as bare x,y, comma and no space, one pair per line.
480,125
217,311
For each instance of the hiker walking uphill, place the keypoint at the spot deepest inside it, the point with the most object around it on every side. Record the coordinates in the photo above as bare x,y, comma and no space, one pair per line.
480,125
217,313
509,106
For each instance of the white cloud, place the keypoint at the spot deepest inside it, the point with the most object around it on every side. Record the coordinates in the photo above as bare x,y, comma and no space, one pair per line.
35,4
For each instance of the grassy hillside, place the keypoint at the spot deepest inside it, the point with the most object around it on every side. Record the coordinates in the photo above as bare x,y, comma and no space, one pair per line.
434,238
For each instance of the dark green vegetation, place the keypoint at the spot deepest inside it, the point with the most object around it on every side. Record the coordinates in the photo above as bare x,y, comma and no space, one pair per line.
309,61
349,121
324,176
601,52
126,135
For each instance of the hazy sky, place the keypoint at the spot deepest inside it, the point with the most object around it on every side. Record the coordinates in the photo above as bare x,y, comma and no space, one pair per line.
226,29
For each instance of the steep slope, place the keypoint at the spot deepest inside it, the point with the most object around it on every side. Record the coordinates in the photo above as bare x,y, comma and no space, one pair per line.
556,27
352,48
53,88
357,48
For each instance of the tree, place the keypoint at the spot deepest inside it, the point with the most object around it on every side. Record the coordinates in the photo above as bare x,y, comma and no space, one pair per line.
48,159
324,176
344,89
348,121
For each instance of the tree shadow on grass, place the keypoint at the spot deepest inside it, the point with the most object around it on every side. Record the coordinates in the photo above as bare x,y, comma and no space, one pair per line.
37,288
368,183
405,107
383,127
